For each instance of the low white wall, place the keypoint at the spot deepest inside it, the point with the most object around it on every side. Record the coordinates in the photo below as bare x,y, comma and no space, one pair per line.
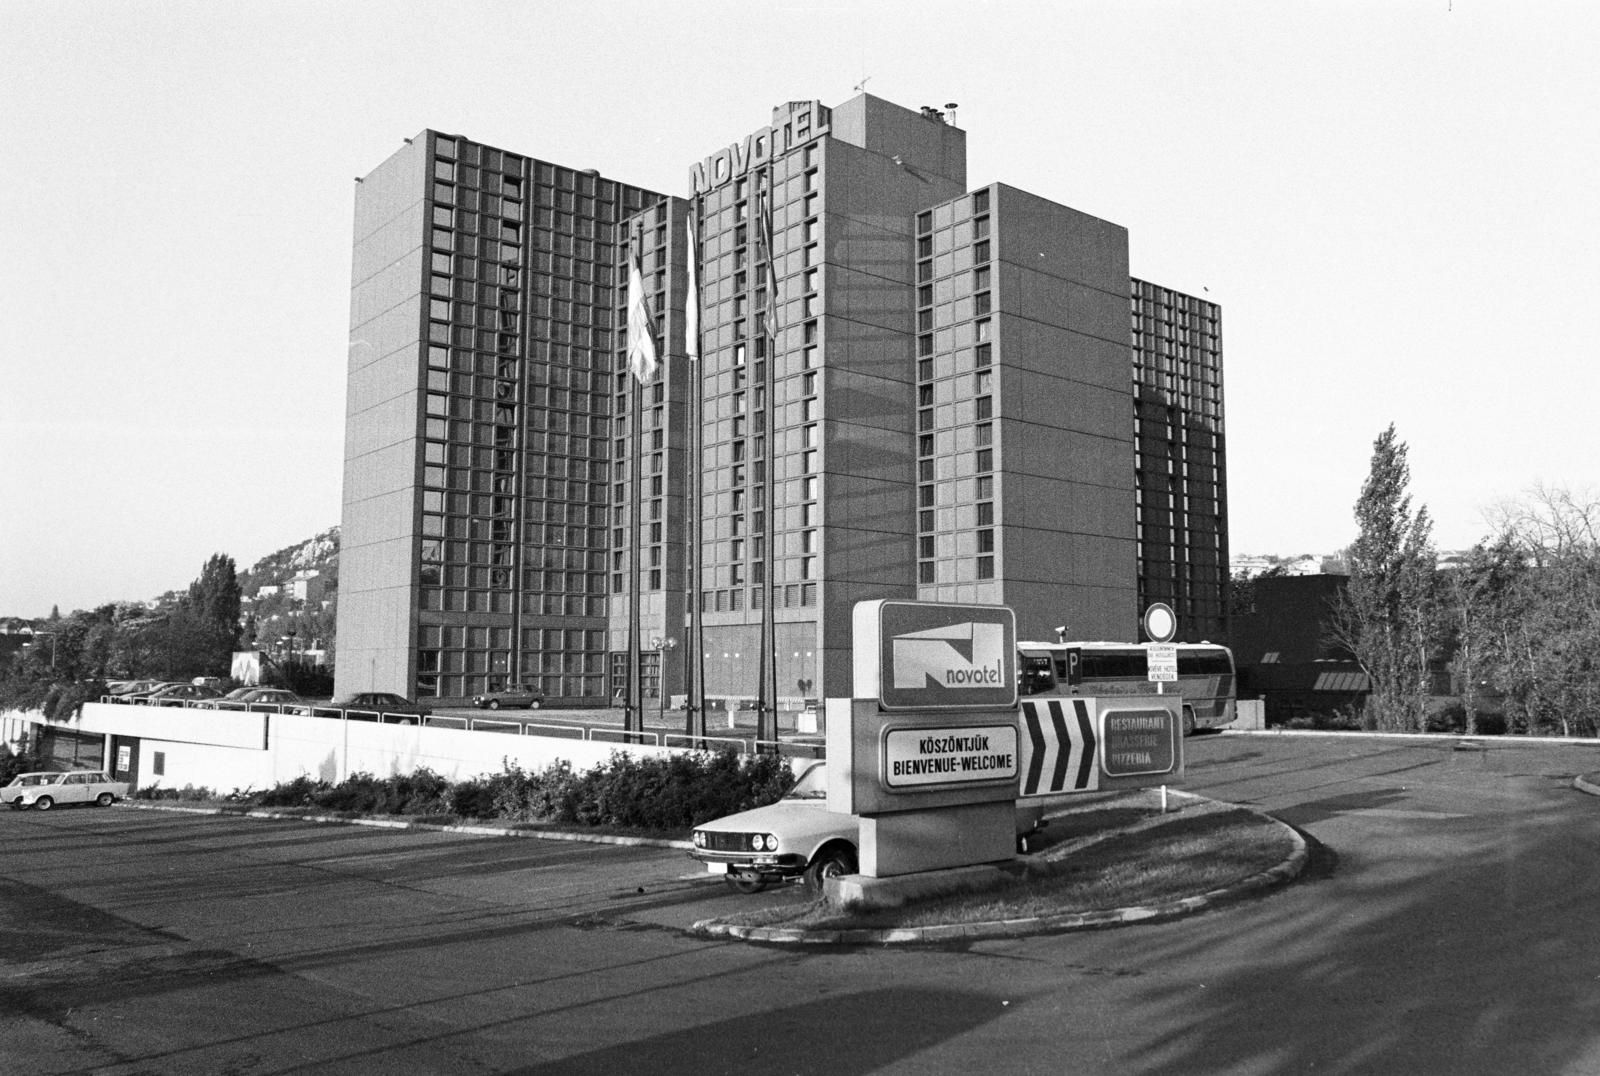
1250,714
229,750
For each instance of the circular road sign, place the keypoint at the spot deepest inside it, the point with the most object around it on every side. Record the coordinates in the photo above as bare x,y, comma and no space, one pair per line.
1160,623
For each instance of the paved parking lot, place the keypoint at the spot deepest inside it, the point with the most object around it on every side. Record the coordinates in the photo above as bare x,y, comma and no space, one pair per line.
1442,928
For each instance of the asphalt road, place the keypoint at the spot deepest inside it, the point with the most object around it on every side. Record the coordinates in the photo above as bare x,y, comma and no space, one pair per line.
1445,926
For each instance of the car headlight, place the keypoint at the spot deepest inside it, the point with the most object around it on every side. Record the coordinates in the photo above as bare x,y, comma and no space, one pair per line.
763,842
699,839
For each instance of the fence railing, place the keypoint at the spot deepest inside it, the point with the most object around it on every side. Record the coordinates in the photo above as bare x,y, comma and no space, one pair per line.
501,726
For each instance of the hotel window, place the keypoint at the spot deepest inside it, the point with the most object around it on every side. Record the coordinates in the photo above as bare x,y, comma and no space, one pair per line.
980,251
985,567
980,202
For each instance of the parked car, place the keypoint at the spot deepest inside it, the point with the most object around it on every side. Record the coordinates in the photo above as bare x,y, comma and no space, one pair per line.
179,693
798,837
384,702
138,689
278,696
45,790
511,695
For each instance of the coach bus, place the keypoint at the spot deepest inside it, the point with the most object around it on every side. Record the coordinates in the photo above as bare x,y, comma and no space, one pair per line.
1205,675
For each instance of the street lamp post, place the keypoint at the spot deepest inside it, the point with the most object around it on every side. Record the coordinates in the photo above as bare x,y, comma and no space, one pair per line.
661,646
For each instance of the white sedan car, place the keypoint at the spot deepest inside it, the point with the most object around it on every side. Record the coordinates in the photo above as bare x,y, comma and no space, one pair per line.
798,837
45,790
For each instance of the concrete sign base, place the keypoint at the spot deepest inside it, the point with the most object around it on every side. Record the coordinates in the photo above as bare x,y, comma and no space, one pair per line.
906,842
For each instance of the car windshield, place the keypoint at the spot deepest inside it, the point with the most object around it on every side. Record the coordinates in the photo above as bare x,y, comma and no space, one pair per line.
812,785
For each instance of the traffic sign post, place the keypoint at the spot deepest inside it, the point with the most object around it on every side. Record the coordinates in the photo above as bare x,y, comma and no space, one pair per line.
1160,623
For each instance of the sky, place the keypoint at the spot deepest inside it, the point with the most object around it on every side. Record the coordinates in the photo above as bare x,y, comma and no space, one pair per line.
1395,204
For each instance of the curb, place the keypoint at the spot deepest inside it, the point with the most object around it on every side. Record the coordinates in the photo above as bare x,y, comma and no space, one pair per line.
1587,782
1280,874
430,827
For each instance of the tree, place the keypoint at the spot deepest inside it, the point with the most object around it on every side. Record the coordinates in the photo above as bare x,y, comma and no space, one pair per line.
1545,652
1476,596
204,627
1388,616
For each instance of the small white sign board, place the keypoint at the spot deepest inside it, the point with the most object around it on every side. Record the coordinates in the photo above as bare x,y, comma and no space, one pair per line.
1161,659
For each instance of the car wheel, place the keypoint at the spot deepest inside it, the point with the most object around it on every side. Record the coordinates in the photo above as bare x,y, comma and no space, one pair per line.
104,799
494,704
746,883
43,803
1188,721
534,705
834,861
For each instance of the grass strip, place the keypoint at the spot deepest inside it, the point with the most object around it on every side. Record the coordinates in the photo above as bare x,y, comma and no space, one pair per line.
1116,855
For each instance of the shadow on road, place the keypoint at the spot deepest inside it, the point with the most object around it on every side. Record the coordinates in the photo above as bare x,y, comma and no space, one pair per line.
845,1035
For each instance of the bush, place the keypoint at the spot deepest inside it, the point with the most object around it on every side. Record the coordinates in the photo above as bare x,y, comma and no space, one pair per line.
14,762
189,793
659,794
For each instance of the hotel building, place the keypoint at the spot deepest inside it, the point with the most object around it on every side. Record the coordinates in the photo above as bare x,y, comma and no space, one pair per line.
902,388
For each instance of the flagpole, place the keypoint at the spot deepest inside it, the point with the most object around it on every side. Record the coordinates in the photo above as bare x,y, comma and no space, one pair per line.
767,713
694,648
633,712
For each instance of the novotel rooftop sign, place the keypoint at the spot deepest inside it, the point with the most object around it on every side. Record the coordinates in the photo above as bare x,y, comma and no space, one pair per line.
937,657
793,125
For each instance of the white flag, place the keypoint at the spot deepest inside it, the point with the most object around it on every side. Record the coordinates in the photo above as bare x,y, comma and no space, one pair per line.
691,303
642,361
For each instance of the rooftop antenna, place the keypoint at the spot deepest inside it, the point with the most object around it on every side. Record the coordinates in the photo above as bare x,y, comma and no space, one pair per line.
861,87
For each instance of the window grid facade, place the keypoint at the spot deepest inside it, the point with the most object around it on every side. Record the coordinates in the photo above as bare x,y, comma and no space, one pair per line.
736,351
1181,496
517,422
957,532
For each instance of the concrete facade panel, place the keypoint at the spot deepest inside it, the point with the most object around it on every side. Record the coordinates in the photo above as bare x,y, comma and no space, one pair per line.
389,422
396,331
393,286
1060,241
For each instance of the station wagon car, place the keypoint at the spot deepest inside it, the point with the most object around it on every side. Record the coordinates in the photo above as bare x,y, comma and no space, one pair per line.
511,695
45,790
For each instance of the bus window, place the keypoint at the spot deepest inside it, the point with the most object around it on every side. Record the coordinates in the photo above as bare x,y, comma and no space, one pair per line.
1034,675
1113,665
1204,662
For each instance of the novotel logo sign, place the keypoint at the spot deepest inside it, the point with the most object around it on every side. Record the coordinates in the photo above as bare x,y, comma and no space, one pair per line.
939,657
801,123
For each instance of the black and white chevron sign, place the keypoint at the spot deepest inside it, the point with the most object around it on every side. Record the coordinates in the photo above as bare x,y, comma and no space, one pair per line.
1058,747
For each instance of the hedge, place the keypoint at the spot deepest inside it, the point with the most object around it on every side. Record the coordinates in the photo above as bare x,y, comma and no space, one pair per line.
669,794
